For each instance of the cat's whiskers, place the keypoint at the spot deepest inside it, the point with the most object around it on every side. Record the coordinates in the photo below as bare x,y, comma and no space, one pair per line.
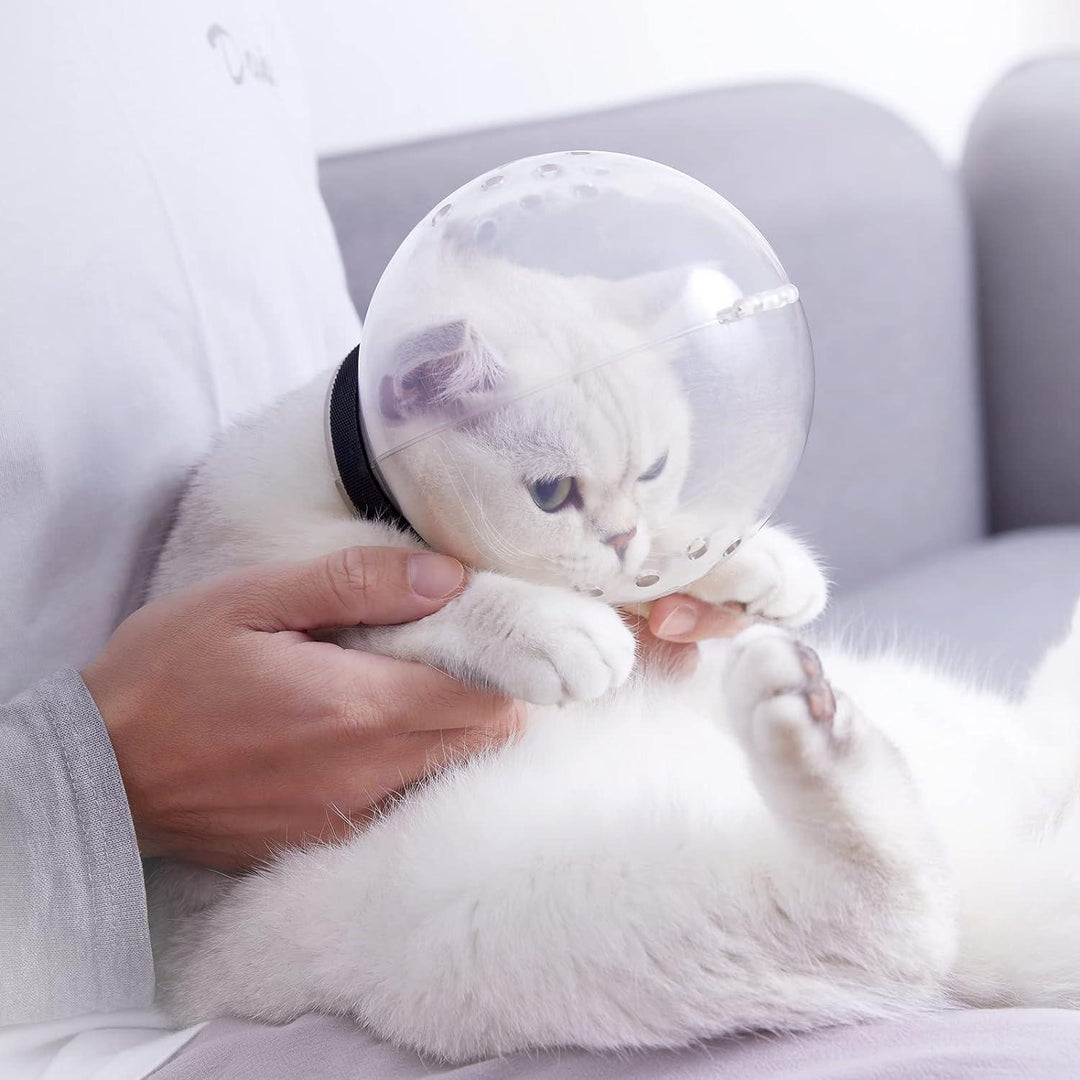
484,528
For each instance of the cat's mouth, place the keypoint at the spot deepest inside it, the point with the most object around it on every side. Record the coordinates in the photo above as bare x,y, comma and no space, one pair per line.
609,563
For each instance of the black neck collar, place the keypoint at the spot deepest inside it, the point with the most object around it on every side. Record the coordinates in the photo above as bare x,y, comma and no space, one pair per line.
359,481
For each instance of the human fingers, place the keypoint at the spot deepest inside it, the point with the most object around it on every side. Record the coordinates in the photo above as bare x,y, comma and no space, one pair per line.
374,585
398,696
684,619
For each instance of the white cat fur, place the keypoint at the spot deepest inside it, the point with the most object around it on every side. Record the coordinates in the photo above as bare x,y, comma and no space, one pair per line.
653,861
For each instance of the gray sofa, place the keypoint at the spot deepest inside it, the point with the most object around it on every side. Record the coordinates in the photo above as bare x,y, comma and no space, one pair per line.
925,443
942,477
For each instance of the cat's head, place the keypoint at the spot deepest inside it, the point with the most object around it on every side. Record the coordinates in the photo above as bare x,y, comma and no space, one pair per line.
570,483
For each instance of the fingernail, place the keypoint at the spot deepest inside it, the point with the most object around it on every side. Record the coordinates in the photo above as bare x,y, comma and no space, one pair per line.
434,577
681,621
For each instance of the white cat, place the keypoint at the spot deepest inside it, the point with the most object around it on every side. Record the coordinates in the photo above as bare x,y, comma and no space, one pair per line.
653,861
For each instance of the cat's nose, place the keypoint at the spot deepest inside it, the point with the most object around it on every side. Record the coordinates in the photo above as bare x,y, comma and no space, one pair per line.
621,541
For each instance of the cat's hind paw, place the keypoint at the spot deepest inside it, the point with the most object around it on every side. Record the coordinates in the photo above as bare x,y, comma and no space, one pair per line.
781,705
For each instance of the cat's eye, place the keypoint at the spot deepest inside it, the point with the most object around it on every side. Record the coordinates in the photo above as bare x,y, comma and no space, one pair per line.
655,469
552,493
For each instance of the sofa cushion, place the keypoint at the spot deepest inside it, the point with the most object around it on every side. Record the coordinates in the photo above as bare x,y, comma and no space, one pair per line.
868,223
1043,1043
990,608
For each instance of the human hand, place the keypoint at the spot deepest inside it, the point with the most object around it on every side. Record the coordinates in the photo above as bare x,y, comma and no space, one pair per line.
235,731
685,620
669,631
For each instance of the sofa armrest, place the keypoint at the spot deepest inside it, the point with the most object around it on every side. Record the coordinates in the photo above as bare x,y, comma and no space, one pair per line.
1022,174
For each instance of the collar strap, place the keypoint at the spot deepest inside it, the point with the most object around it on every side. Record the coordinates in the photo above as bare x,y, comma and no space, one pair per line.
358,478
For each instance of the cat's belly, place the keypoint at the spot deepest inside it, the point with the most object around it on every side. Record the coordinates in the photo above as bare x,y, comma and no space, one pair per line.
655,751
668,745
616,859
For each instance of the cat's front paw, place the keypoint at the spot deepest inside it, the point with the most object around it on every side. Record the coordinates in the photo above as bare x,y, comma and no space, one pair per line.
772,575
553,647
536,643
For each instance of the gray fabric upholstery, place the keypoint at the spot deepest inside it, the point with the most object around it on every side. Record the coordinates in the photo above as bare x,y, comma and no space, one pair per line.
1043,1044
867,222
1022,170
990,608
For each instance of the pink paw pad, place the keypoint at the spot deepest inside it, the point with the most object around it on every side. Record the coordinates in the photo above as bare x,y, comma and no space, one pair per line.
819,695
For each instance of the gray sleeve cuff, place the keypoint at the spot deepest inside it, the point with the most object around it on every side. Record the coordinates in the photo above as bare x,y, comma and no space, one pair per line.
73,925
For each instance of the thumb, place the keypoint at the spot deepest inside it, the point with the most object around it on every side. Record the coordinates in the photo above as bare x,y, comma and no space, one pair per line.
374,585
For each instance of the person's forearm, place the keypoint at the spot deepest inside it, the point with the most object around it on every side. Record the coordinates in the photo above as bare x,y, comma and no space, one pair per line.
73,930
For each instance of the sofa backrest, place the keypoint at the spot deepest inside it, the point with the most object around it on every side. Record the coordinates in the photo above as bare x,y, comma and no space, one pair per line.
867,222
1022,170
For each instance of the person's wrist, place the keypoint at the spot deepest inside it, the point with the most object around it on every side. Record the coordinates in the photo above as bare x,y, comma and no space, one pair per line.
119,705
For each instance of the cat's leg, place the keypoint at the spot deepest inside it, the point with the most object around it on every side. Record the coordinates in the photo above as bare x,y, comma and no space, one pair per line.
819,764
1019,912
1020,900
176,891
848,803
538,643
1050,708
772,574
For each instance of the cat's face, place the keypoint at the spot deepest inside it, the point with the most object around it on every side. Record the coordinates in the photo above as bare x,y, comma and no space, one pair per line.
572,484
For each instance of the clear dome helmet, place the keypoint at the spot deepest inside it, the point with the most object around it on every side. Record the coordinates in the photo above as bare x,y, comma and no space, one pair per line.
585,369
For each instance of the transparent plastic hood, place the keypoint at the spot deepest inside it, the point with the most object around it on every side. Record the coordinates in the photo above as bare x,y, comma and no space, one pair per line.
587,369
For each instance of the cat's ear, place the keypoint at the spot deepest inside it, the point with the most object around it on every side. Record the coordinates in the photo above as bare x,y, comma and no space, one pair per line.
441,369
